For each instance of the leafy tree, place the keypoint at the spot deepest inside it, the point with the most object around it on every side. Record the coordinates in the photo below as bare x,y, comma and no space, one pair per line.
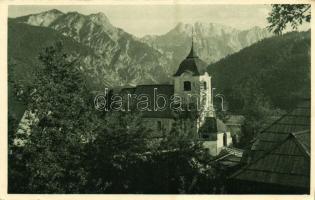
117,146
283,14
124,160
182,165
62,110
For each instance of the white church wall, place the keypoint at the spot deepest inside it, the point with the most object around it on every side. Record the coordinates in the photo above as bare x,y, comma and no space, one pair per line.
179,85
216,146
198,90
211,146
229,139
220,143
206,91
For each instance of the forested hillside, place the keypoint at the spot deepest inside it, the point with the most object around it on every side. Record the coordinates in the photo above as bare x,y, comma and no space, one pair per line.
275,70
24,45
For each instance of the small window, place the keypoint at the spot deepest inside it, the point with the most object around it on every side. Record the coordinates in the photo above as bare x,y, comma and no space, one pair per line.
187,86
205,136
205,85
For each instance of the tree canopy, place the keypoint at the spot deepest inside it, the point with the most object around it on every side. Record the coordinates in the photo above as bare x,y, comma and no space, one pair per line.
283,14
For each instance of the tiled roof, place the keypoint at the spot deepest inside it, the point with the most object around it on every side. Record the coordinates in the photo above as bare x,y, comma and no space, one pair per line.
294,121
287,164
193,64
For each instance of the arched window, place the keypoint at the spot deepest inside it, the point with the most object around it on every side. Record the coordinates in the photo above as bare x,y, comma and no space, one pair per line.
187,86
205,85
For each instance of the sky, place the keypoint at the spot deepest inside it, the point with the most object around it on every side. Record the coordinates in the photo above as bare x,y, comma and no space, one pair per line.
143,20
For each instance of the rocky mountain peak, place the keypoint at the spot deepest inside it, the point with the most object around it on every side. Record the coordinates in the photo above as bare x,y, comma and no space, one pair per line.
182,28
54,11
212,41
200,28
41,19
99,18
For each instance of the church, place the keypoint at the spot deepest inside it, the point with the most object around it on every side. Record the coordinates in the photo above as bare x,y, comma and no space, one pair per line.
192,84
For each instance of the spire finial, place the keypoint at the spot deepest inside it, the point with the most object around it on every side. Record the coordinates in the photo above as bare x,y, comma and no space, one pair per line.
192,53
192,36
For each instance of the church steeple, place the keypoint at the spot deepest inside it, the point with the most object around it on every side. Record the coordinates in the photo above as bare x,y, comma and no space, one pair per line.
192,52
192,63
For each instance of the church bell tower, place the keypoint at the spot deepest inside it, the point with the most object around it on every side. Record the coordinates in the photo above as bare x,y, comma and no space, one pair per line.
193,84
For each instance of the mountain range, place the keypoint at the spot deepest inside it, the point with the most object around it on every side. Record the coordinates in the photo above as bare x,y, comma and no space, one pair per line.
122,59
112,57
211,41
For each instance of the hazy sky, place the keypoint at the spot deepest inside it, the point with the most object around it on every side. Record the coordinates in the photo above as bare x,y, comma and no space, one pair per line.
158,19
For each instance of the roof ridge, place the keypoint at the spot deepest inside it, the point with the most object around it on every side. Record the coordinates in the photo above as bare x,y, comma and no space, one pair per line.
300,132
268,153
301,145
261,157
270,125
280,118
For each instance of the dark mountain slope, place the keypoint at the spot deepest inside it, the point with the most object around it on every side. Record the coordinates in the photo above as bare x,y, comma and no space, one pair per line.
25,42
276,69
122,59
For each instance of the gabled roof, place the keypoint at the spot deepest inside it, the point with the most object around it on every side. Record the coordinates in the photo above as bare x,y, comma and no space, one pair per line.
303,138
192,63
296,120
287,164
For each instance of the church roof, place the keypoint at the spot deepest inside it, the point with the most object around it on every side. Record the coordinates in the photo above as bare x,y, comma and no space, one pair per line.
192,63
165,90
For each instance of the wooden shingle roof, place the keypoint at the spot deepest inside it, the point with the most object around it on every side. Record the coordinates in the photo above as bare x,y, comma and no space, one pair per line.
296,120
287,164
